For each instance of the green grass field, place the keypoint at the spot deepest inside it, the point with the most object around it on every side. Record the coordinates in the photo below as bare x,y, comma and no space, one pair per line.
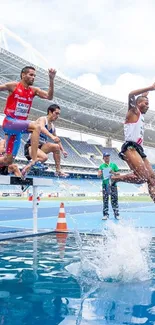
121,199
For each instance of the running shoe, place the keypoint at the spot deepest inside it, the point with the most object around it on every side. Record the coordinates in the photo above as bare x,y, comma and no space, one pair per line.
39,165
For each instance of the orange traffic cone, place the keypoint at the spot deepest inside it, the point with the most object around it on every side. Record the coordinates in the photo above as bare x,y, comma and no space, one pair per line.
61,241
61,224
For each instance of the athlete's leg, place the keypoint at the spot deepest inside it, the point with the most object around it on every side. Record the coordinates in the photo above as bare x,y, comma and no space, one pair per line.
136,163
132,178
151,180
53,147
12,147
34,128
127,178
41,156
141,169
13,128
13,168
6,160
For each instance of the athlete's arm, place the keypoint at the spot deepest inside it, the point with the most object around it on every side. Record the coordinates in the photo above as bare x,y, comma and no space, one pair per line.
9,86
132,94
2,146
42,122
61,146
145,94
62,150
47,94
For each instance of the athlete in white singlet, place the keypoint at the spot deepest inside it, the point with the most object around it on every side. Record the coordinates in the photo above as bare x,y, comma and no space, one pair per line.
132,151
135,131
48,140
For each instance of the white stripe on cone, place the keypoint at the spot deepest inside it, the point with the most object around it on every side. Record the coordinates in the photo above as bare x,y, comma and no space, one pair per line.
61,210
61,220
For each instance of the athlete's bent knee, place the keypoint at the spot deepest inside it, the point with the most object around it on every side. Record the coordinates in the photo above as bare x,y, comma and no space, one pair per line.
44,158
37,128
56,148
14,167
8,160
34,127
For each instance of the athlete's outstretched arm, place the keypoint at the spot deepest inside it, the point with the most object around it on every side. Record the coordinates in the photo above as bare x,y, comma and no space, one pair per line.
47,94
142,90
9,86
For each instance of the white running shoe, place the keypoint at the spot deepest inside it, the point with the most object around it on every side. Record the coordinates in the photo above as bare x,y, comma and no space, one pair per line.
105,217
117,217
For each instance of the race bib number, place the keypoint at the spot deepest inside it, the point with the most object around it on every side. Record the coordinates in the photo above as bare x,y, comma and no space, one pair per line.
22,109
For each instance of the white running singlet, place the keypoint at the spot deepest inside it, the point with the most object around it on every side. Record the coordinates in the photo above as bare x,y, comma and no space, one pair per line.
135,131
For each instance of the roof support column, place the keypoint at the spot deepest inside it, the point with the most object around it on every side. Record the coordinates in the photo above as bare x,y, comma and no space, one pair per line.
109,142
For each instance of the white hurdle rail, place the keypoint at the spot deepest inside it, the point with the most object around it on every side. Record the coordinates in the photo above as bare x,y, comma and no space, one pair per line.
34,182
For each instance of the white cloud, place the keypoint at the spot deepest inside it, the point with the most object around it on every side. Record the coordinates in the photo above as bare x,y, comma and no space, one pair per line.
123,85
111,34
120,89
87,56
95,44
89,81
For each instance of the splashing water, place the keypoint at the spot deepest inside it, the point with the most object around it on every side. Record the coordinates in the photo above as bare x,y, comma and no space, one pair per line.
122,254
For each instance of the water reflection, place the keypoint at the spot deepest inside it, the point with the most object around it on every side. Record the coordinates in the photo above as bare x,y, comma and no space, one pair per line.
38,287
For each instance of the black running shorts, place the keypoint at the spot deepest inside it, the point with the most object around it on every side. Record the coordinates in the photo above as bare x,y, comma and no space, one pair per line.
131,144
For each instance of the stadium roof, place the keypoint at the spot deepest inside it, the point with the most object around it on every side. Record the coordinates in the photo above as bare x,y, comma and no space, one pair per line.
82,110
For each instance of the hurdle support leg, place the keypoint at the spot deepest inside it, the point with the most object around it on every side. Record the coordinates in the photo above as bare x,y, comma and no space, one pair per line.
29,181
35,209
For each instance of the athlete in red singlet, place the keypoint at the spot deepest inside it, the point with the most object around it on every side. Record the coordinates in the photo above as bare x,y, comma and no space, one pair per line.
17,108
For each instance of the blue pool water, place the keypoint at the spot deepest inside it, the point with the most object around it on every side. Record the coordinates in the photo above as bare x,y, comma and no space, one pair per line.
79,279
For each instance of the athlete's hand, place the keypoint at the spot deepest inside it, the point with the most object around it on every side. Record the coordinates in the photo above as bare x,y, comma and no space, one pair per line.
153,86
52,73
65,154
145,94
55,139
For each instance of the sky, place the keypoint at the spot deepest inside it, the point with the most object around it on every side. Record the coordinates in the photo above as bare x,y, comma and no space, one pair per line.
107,46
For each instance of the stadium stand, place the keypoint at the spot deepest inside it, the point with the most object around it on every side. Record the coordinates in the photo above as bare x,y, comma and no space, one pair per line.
79,105
84,148
1,133
79,186
72,187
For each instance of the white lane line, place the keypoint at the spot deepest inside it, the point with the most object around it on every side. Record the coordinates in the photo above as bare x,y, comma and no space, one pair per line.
20,220
8,208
